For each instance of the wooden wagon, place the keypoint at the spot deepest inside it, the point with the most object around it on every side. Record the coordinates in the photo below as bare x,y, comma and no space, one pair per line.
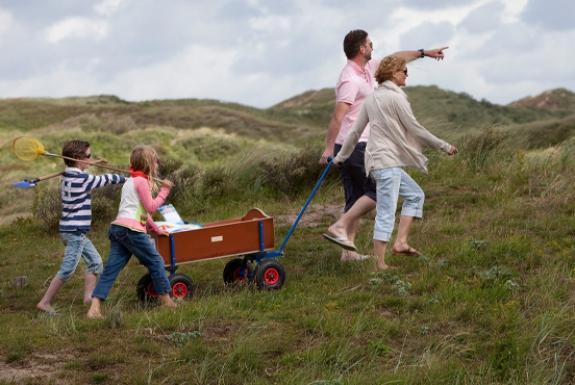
249,239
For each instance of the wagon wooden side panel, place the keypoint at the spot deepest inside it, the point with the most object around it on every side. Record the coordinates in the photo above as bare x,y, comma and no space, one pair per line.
220,239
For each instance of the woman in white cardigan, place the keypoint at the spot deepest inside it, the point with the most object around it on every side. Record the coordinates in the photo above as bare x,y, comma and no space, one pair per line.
395,141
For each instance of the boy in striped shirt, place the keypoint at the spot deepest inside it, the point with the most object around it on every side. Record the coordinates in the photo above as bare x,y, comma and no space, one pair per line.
76,220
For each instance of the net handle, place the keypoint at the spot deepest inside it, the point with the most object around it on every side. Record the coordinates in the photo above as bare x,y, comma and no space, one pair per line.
92,164
86,161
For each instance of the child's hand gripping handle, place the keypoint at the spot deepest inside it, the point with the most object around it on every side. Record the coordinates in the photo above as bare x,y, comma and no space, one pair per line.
167,183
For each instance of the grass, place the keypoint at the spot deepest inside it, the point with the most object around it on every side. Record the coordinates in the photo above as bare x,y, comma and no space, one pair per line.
490,302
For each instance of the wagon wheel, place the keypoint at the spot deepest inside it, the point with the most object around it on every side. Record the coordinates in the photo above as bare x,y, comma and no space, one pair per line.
146,292
270,275
182,287
237,272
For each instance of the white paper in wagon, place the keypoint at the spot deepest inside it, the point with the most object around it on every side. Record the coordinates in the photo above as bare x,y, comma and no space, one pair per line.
173,222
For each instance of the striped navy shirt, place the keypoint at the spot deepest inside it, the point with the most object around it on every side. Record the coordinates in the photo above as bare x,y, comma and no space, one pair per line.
76,200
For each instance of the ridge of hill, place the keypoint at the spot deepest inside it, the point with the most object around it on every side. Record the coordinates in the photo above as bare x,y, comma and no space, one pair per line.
558,99
444,111
113,114
298,119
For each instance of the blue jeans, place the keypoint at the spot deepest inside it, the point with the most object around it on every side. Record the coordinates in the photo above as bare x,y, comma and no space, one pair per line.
123,244
391,184
78,245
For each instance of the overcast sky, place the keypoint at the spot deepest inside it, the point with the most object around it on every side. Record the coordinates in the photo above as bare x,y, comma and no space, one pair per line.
259,53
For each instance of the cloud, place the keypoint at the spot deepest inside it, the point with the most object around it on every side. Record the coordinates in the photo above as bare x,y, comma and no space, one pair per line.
6,21
555,15
77,28
512,61
260,52
527,55
108,7
428,35
483,19
270,23
40,14
434,4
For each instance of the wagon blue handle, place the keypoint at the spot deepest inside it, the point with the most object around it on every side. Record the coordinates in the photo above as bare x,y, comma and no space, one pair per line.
306,204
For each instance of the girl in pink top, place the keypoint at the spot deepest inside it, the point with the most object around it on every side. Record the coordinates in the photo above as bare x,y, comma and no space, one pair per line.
128,231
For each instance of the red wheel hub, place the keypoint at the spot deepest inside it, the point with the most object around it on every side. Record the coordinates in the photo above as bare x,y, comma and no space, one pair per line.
271,276
180,290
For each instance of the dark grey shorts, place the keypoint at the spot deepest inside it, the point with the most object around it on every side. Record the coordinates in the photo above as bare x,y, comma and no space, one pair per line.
355,182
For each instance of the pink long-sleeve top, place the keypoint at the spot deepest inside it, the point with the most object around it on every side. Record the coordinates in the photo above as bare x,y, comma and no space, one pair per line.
137,204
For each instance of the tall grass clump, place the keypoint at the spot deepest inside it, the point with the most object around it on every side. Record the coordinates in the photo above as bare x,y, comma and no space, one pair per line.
478,150
283,173
265,173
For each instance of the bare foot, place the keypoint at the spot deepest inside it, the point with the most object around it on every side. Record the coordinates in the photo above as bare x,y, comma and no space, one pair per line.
87,300
337,230
95,311
46,307
166,301
383,267
406,250
94,314
352,256
171,305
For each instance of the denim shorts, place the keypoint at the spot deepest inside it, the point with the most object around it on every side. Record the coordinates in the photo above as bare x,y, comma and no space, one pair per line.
391,184
355,183
78,245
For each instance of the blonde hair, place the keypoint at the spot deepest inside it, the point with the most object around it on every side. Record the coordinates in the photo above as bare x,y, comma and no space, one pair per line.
388,66
143,158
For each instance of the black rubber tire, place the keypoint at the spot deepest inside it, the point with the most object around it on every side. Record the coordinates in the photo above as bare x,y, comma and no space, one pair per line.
232,272
182,286
146,291
270,275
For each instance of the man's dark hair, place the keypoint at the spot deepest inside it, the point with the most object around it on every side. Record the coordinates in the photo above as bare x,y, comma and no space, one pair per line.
352,41
74,149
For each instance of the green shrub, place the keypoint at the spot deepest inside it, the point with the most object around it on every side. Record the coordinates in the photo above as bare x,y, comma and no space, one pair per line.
47,206
210,148
285,173
186,183
105,203
218,181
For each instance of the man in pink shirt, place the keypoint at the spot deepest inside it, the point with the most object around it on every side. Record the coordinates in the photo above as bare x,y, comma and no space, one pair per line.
356,81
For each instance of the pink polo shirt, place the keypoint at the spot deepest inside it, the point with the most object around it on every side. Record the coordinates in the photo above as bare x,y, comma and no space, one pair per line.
354,84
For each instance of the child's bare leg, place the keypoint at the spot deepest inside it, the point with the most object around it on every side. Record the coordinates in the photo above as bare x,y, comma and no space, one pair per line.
89,285
95,311
45,303
166,300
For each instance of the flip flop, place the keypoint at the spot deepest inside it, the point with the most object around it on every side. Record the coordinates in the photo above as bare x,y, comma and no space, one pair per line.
409,252
340,241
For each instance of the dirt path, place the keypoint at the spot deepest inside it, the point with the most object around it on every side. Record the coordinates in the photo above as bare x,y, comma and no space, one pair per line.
37,366
316,215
